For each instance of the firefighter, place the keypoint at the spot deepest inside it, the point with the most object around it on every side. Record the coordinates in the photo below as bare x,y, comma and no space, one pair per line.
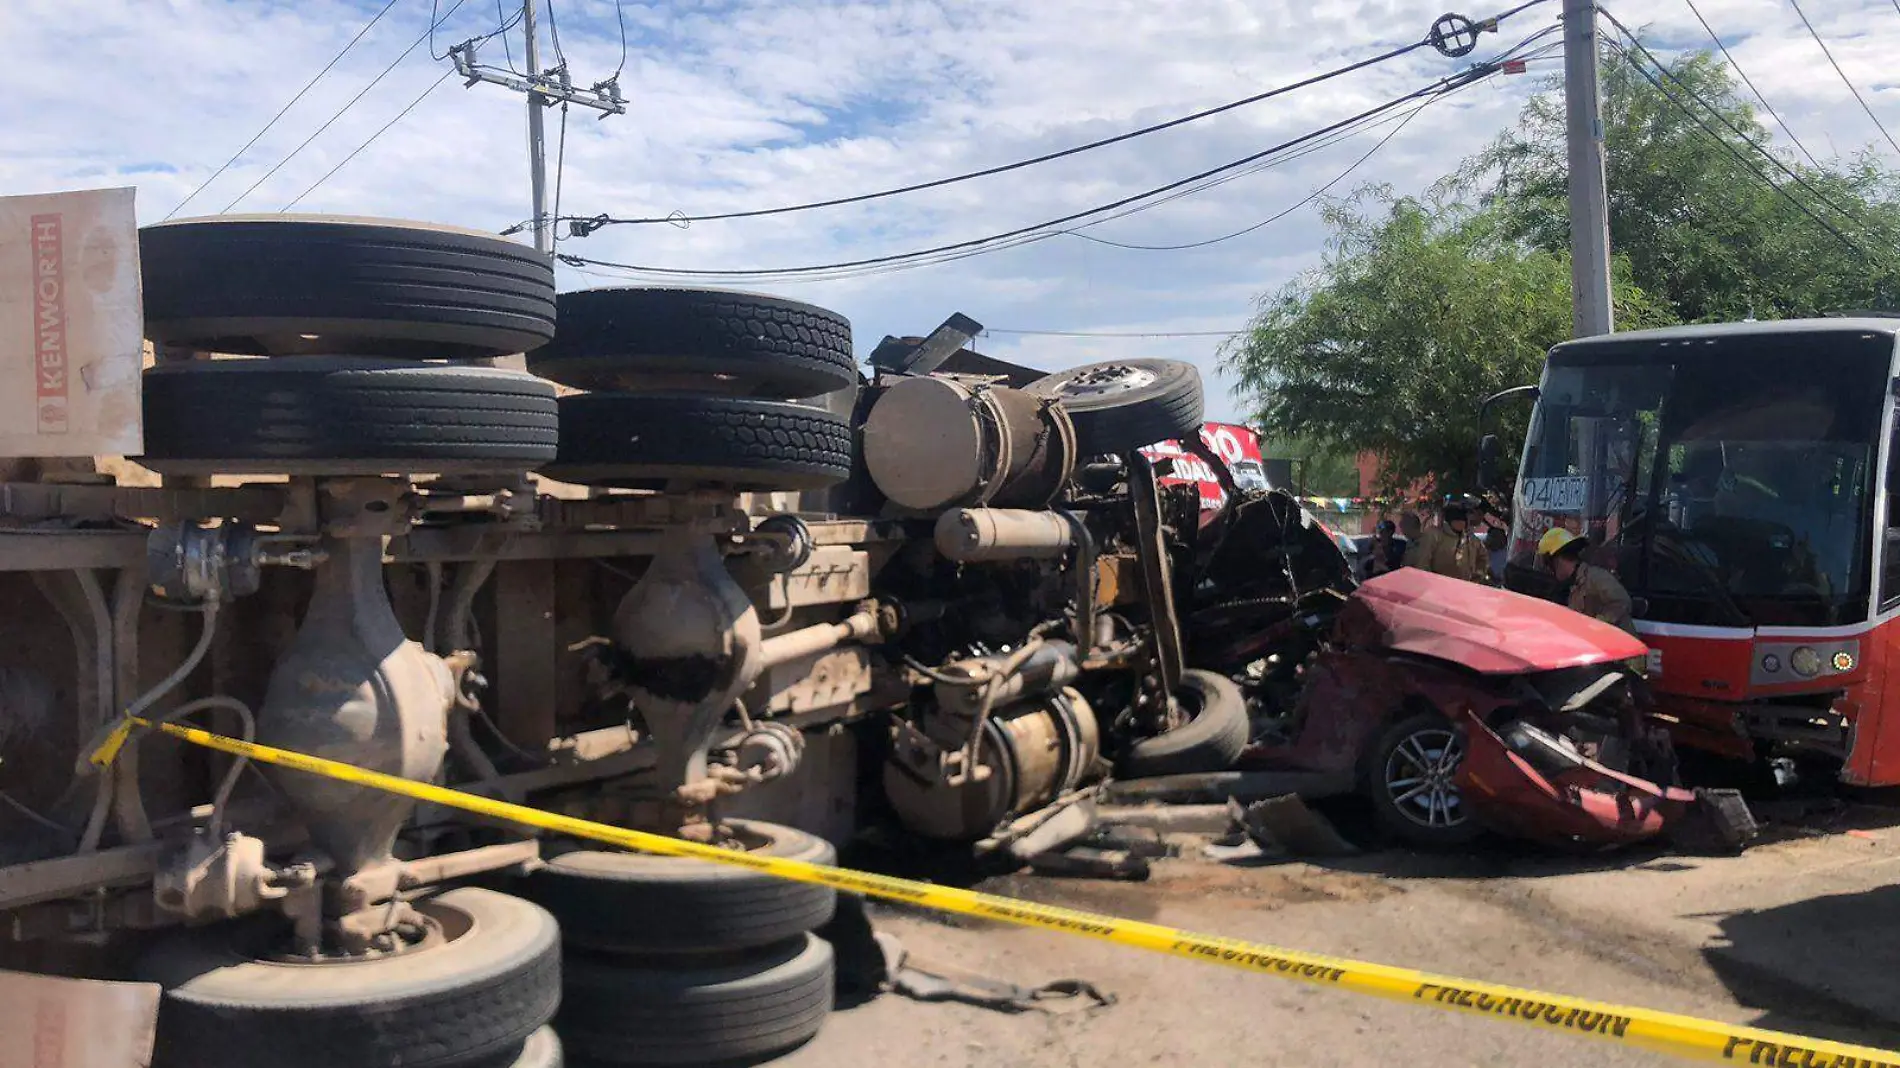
1589,589
1450,548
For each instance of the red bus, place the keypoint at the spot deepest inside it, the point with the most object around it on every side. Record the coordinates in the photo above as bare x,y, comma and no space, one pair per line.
1741,480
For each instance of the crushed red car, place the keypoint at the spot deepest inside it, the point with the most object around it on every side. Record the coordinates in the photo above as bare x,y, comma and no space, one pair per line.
1452,707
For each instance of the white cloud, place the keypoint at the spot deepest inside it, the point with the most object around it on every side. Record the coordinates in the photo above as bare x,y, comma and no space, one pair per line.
742,103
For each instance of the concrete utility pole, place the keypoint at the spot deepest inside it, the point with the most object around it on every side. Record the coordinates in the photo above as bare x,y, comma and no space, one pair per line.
537,143
1589,204
545,89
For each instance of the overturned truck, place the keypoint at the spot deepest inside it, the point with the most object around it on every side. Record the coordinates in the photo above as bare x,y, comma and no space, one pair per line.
690,571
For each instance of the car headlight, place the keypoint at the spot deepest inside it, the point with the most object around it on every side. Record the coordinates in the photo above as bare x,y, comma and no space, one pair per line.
1805,661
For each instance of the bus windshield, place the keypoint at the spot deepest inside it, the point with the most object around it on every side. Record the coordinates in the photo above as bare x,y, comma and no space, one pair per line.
1729,484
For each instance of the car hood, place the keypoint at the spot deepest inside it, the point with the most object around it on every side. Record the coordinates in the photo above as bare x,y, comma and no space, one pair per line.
1489,631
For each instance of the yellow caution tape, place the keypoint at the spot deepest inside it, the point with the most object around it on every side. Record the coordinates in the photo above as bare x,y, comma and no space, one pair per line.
108,750
1684,1036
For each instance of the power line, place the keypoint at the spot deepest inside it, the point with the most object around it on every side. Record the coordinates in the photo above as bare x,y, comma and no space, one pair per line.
560,164
400,115
1276,216
507,50
1862,101
1319,145
327,67
1041,230
1737,67
554,31
1798,177
1739,158
582,226
620,16
424,36
501,14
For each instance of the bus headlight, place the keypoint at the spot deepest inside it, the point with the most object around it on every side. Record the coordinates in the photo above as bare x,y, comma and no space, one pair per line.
1805,662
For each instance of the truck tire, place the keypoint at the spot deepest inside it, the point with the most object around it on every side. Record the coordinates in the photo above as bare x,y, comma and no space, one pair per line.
739,344
335,415
1121,405
668,440
607,901
541,1050
477,996
1211,740
1400,760
279,285
762,1003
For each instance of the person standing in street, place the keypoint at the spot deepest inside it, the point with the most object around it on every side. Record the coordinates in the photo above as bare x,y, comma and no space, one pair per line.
1588,589
1497,543
1410,528
1451,549
1387,553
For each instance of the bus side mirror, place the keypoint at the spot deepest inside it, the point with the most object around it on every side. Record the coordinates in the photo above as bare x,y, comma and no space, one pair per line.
1488,449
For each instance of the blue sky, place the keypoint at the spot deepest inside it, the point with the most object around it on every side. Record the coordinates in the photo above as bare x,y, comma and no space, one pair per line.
746,103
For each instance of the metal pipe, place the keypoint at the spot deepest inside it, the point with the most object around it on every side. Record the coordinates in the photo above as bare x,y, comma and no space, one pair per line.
431,870
809,641
1084,632
128,596
95,824
982,535
1039,666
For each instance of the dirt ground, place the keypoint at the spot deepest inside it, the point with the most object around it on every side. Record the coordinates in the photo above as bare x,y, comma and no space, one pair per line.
1801,933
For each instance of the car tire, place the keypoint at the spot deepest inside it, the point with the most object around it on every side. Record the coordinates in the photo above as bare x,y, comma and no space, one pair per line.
280,285
479,995
624,1012
663,441
1211,740
741,344
1121,405
607,902
333,415
1409,749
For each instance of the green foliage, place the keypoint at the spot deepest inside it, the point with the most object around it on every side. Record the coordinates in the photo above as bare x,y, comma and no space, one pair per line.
1423,306
1702,231
1322,471
1419,311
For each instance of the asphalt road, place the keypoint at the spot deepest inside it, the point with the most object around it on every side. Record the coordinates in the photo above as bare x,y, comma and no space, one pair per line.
1801,934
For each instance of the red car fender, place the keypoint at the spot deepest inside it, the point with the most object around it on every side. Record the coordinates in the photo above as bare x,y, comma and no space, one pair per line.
1588,803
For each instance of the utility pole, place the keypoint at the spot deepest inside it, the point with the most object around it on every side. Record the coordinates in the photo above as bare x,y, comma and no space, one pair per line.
537,143
1590,312
545,89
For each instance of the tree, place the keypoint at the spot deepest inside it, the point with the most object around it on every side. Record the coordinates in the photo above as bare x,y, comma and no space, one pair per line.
1422,307
1701,229
1323,471
1419,310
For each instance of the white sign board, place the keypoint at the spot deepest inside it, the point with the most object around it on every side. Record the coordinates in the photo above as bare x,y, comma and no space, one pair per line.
1565,495
71,325
48,1022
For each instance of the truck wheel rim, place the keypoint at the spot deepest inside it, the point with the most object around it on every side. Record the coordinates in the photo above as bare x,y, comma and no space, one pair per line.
1419,778
1108,380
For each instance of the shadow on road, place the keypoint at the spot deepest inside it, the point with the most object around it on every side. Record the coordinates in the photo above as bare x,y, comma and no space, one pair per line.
1826,966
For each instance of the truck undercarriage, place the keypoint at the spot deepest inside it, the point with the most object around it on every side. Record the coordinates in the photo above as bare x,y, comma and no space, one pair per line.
707,616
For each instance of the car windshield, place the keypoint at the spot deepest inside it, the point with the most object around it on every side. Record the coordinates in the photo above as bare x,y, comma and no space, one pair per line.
1731,481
